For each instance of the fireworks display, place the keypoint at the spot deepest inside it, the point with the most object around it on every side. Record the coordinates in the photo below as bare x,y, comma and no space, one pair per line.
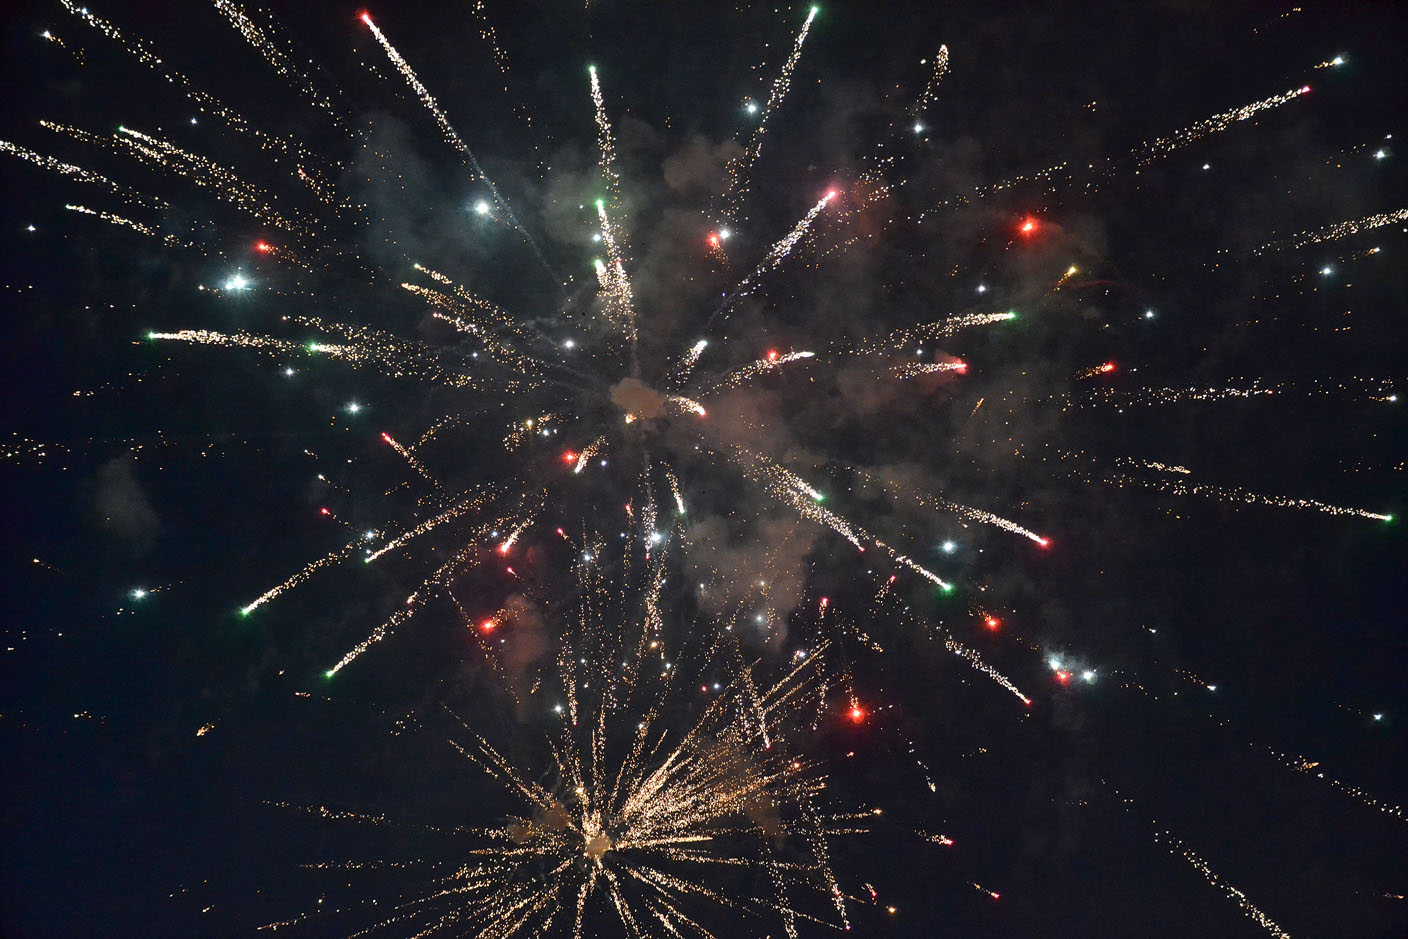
742,450
640,818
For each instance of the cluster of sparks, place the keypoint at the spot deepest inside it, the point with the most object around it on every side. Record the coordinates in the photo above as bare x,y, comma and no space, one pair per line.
640,809
641,814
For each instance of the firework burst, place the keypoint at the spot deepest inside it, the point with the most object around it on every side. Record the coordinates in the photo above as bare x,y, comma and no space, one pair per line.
649,794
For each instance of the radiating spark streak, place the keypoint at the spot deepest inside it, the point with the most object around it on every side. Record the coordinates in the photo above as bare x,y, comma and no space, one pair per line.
753,369
588,453
52,37
409,458
451,136
931,86
925,332
335,557
740,169
1160,147
469,505
1163,467
915,369
307,170
679,402
1149,397
77,172
374,351
775,256
615,284
1177,847
1236,494
789,488
1335,232
1142,155
605,144
278,60
969,655
686,365
932,501
199,170
976,660
432,584
507,545
1310,768
169,240
675,491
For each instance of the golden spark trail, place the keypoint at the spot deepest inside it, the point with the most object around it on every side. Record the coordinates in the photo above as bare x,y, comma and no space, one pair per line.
740,168
1175,846
686,365
77,172
1336,231
753,369
200,171
915,369
431,105
931,501
307,168
1143,155
409,458
1150,151
589,451
1235,494
278,60
605,144
339,555
170,241
473,504
776,255
924,332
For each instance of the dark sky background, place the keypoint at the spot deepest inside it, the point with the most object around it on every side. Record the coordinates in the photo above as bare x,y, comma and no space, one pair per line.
195,469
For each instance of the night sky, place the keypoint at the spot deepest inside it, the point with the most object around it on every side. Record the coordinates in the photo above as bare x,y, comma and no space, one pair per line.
1187,655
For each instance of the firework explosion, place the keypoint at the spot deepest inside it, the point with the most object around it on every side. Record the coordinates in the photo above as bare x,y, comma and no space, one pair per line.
790,409
639,820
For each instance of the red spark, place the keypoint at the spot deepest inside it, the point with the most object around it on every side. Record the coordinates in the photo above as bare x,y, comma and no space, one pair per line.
1044,542
1028,225
568,456
961,366
385,436
324,511
365,17
488,625
993,622
831,194
857,714
1108,367
1063,677
713,239
263,246
772,355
